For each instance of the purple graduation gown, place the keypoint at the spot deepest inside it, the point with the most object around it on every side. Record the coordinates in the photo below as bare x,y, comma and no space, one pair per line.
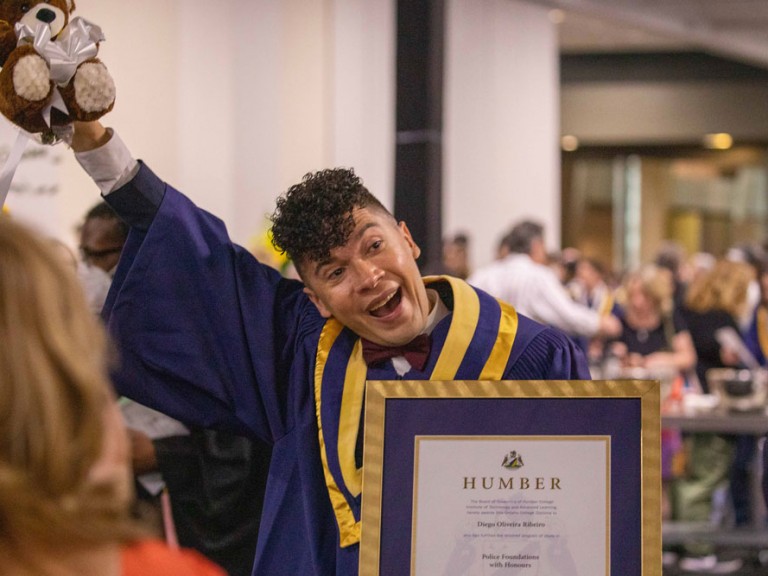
213,338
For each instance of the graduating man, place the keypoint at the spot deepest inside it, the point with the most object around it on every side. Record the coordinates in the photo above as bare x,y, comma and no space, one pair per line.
210,336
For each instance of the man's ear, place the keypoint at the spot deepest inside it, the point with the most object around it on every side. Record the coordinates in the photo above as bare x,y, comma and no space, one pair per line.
324,312
415,250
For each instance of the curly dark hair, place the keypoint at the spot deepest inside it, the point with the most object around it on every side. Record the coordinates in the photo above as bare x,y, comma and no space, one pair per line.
315,216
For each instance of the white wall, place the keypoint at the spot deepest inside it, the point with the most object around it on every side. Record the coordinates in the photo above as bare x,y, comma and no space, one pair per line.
502,160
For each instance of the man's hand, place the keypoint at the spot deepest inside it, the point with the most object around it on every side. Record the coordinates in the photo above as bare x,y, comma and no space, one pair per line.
610,326
89,135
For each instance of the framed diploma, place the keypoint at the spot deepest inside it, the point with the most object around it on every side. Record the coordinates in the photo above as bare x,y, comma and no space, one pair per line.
471,478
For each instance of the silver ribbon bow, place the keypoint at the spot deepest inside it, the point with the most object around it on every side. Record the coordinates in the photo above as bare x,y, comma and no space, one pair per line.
74,45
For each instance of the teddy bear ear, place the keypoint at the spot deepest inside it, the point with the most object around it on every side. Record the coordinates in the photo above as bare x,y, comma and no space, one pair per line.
71,5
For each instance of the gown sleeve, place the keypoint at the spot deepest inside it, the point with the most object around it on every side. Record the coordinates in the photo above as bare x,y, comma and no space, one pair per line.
205,333
546,353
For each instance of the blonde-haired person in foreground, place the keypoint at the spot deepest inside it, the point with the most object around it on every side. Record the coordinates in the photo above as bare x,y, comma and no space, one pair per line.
65,483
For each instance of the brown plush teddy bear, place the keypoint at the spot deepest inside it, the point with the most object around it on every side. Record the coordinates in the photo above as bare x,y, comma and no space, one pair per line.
50,75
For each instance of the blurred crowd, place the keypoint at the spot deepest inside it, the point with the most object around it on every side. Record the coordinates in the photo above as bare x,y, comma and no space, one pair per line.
684,319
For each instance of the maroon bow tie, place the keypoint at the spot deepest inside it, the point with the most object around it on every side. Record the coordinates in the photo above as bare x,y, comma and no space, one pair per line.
416,351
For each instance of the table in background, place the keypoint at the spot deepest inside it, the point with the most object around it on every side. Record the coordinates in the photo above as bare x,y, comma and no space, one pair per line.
723,422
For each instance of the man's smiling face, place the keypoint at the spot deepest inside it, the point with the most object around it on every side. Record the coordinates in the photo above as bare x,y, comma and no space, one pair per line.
372,284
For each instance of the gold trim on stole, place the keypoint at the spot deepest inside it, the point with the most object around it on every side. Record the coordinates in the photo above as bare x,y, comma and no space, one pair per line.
457,342
349,529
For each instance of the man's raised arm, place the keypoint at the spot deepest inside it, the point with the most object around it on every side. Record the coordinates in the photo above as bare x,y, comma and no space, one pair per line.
107,160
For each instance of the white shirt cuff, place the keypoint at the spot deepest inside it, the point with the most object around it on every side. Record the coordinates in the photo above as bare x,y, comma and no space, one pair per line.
110,165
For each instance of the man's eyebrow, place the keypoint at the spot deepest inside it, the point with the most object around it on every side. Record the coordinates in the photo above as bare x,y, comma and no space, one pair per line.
364,229
322,264
359,234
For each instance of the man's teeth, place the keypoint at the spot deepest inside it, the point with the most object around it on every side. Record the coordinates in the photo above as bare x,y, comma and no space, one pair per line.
384,303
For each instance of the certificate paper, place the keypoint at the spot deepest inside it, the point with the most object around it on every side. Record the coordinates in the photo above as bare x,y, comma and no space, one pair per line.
511,505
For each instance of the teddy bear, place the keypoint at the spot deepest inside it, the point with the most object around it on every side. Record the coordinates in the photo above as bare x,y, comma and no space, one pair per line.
50,75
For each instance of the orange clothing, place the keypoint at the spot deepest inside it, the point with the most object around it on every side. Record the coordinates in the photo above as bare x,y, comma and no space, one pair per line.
154,558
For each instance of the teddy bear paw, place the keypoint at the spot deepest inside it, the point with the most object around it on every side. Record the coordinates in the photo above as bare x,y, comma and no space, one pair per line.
94,87
31,78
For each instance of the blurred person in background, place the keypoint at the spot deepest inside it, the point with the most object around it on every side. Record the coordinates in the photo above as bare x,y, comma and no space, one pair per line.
456,256
560,267
657,343
756,335
755,256
503,247
65,478
589,287
699,263
714,301
101,238
524,279
672,257
654,335
568,260
756,340
654,343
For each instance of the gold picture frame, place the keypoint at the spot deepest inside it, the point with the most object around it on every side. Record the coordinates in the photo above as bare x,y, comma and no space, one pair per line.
397,412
